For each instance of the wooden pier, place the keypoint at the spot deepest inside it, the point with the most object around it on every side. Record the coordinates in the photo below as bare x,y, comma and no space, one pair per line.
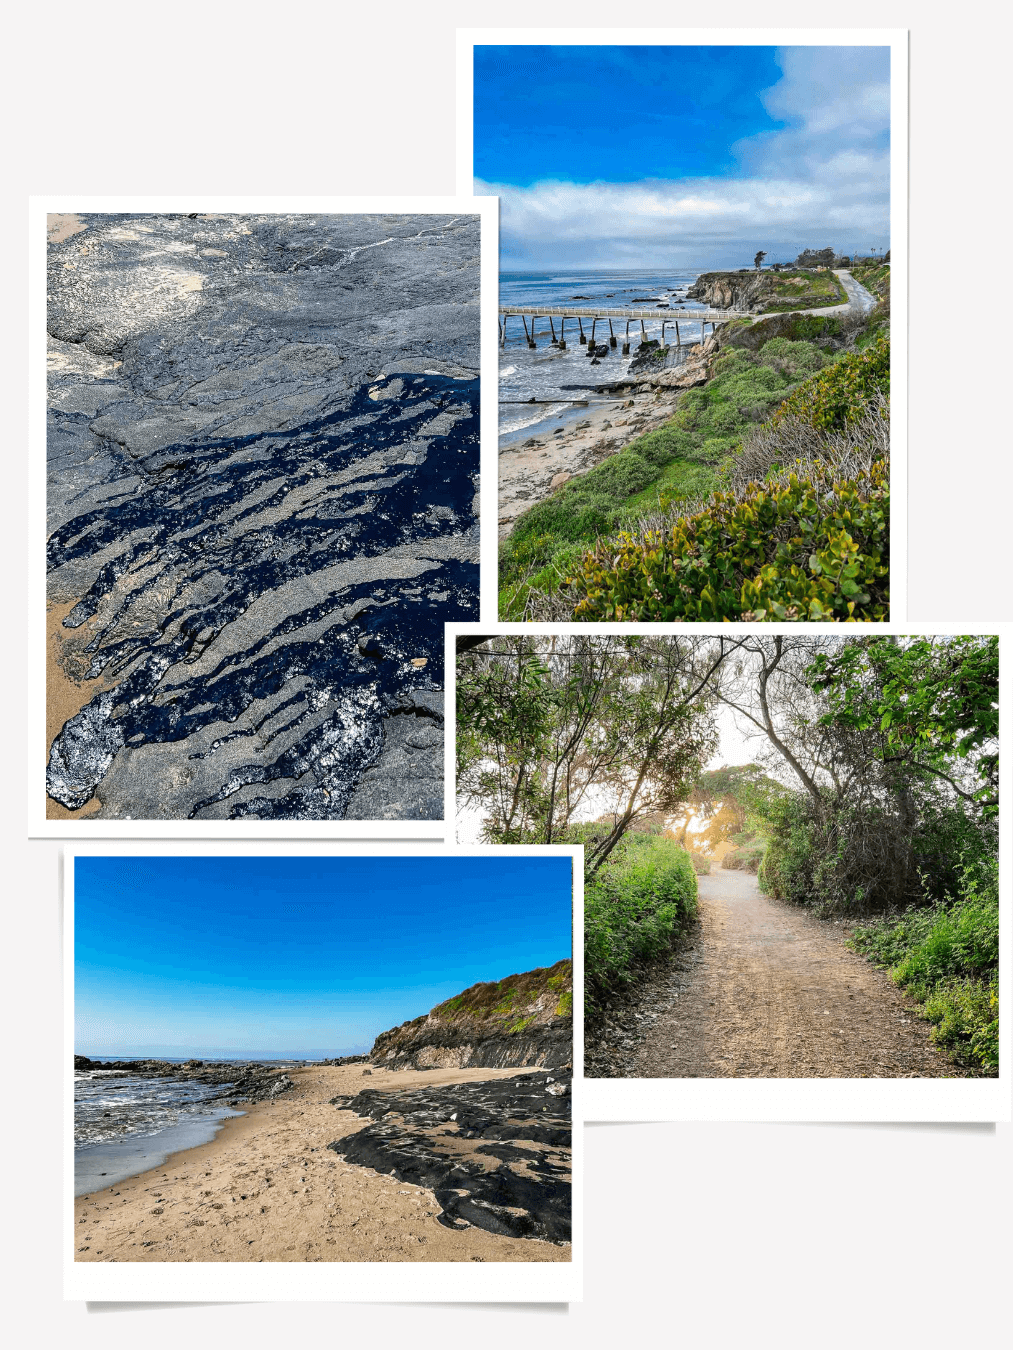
665,317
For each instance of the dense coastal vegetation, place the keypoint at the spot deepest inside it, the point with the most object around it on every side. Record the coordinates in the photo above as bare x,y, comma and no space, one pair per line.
897,817
766,496
872,798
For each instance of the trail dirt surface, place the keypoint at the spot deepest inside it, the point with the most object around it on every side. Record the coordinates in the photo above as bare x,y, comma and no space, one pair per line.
764,990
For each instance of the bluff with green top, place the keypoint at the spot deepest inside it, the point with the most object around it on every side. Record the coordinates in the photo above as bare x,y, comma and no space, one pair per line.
521,1021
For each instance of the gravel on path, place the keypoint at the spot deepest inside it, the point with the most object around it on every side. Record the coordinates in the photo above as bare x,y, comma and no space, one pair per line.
761,989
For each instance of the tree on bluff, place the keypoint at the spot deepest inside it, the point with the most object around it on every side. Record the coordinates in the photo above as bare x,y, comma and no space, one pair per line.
759,259
812,257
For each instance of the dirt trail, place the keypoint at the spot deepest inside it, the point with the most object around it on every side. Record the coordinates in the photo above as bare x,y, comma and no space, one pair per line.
764,990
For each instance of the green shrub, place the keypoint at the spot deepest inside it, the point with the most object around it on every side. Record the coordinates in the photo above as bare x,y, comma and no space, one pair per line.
635,905
966,1018
947,957
840,393
808,549
795,359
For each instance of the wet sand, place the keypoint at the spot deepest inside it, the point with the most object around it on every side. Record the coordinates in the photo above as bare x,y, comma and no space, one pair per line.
267,1188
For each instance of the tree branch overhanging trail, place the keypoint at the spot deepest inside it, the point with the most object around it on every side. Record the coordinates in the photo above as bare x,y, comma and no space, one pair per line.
870,744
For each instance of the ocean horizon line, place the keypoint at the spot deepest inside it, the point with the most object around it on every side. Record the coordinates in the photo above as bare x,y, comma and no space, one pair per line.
184,1054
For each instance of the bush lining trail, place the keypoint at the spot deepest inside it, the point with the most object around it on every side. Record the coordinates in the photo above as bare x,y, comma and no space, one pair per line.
762,989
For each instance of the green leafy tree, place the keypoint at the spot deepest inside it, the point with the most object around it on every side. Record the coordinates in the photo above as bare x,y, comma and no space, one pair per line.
547,727
933,703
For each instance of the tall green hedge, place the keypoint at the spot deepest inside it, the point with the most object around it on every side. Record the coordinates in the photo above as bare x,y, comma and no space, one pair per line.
947,957
634,907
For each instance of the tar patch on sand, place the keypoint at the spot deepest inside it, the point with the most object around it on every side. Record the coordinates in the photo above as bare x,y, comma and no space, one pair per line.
496,1154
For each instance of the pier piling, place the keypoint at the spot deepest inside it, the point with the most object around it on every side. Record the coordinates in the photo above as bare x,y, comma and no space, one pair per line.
562,335
553,327
583,339
612,336
530,336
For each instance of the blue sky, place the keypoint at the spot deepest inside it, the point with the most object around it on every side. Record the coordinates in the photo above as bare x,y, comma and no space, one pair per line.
618,157
180,955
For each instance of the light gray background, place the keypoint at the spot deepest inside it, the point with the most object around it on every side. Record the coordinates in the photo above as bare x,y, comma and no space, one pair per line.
700,1235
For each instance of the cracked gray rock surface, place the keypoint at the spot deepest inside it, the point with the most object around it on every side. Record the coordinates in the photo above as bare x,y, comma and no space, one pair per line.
262,502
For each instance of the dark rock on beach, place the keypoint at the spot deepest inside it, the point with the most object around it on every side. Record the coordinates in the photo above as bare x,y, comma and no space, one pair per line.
263,470
496,1153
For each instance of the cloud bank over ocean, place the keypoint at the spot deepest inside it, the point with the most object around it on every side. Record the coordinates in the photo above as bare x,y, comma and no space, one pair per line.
821,179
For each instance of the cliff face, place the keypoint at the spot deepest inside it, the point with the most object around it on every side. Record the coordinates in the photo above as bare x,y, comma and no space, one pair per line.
521,1021
759,292
731,290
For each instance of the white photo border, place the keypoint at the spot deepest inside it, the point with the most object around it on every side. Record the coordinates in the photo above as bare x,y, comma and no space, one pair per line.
338,1281
791,1099
487,209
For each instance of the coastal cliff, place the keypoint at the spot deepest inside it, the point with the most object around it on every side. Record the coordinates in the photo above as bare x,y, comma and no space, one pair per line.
521,1021
767,292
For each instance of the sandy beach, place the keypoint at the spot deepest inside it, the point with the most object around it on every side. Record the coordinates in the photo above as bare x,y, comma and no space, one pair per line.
531,468
267,1188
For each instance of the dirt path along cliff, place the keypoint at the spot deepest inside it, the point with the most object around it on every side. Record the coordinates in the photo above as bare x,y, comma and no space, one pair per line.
765,990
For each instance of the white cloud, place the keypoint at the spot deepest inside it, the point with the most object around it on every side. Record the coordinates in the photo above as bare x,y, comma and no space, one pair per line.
823,180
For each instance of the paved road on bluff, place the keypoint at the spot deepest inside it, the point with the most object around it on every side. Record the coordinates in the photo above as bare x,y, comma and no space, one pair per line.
767,991
859,299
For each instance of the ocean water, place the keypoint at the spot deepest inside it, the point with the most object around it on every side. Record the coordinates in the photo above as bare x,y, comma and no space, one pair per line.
125,1125
110,1105
554,377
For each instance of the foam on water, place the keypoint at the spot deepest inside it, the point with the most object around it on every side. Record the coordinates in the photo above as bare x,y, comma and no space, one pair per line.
555,377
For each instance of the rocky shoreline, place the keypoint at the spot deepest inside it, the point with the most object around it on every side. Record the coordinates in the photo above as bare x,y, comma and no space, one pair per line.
238,1082
269,1188
262,499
